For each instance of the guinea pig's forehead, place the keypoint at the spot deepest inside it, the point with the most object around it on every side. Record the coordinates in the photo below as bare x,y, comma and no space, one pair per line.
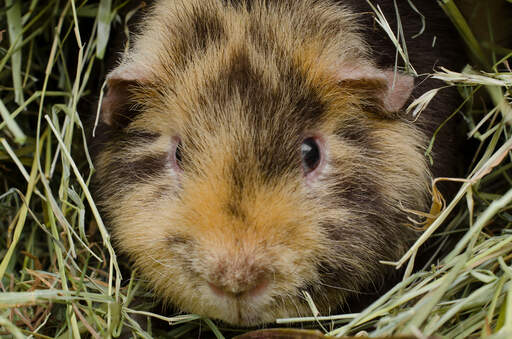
244,142
243,88
237,150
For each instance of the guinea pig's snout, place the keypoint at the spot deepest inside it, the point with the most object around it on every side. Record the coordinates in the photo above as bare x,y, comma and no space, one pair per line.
235,279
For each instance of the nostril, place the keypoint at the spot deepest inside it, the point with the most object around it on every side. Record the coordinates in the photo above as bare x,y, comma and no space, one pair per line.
250,289
218,291
258,288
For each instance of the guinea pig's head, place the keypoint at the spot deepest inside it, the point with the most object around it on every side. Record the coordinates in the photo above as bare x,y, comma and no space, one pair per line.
241,178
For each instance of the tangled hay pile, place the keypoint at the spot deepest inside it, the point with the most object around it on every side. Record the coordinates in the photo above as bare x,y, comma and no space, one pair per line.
59,276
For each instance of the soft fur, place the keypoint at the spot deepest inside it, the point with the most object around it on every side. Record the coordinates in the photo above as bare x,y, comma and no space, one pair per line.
242,83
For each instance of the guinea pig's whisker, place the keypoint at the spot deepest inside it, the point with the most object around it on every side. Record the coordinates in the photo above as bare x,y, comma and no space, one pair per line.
339,288
296,305
160,262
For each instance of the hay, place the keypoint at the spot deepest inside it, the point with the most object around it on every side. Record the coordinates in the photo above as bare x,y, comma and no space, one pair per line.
59,276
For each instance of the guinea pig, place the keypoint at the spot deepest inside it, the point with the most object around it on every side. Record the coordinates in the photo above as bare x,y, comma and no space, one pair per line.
253,150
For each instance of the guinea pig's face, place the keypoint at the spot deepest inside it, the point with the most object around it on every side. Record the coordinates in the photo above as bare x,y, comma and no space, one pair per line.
235,199
240,181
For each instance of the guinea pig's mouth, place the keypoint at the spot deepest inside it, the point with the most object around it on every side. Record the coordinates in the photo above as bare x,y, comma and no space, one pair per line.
241,305
262,304
245,307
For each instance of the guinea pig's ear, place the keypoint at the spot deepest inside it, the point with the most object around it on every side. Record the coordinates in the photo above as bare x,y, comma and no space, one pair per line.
118,107
388,88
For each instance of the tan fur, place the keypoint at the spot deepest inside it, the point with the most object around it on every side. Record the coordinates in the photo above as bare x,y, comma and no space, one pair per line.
282,231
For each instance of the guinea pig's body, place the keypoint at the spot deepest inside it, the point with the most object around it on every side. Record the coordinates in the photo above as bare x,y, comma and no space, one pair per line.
253,150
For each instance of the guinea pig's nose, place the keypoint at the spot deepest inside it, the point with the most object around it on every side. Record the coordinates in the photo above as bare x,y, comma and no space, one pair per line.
239,282
251,289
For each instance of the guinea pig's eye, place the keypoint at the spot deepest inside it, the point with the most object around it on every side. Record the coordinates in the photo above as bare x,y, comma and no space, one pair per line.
311,155
176,156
